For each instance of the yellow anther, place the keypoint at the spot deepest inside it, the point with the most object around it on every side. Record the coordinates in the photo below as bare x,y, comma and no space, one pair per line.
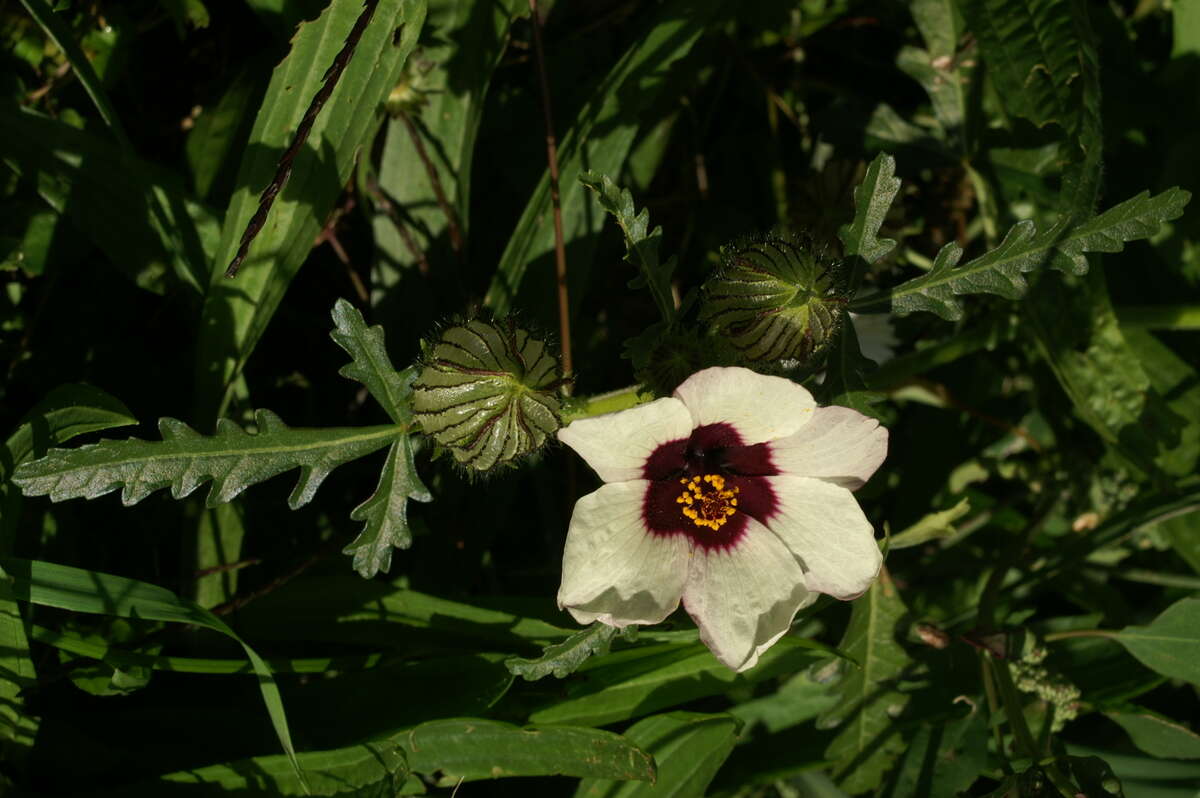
706,501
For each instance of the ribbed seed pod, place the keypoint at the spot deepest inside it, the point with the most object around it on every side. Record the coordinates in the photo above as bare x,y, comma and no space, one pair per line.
488,392
775,298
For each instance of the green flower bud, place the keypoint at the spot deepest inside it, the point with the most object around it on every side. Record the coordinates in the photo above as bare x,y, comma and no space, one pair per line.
488,392
776,298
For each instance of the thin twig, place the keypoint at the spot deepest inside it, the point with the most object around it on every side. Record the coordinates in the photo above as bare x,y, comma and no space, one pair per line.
236,603
560,252
329,236
389,210
452,225
226,567
284,169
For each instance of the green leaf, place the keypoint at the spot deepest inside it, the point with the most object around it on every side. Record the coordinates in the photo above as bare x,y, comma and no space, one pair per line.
1079,335
340,607
236,312
472,749
562,659
641,243
599,140
872,200
944,759
386,512
867,738
1170,645
54,27
1157,735
65,412
1001,270
212,146
636,682
1031,60
371,365
688,747
931,527
943,71
1174,379
51,585
184,460
465,43
801,698
1041,59
139,218
368,770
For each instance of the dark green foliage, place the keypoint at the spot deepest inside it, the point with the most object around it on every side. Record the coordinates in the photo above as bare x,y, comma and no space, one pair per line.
969,219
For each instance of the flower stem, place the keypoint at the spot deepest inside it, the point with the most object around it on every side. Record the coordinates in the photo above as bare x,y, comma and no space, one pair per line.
621,399
1160,317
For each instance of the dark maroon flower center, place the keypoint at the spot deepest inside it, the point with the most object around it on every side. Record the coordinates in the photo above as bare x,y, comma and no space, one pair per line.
704,486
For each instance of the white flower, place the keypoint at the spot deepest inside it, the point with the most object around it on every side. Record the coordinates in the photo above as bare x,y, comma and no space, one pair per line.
733,497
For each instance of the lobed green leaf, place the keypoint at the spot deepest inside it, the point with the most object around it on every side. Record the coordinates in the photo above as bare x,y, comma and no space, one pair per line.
1001,271
872,200
370,363
232,459
563,658
641,243
386,512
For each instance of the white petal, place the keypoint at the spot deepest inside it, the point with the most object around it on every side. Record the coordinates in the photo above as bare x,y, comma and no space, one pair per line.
614,569
823,525
839,445
616,445
744,598
760,408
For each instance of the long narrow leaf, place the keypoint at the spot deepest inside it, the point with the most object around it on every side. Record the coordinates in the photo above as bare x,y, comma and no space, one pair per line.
236,312
600,140
139,218
56,30
64,413
51,585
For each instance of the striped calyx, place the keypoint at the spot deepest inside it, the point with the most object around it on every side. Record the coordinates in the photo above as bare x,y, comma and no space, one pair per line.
775,298
488,392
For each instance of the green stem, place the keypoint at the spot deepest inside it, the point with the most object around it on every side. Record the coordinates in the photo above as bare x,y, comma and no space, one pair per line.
1147,577
989,689
1052,636
621,399
1160,317
1020,729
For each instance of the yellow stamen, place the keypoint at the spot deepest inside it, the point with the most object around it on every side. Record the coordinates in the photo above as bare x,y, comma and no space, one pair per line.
706,501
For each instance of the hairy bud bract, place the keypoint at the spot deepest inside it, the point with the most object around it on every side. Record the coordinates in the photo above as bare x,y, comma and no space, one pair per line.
775,298
488,392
